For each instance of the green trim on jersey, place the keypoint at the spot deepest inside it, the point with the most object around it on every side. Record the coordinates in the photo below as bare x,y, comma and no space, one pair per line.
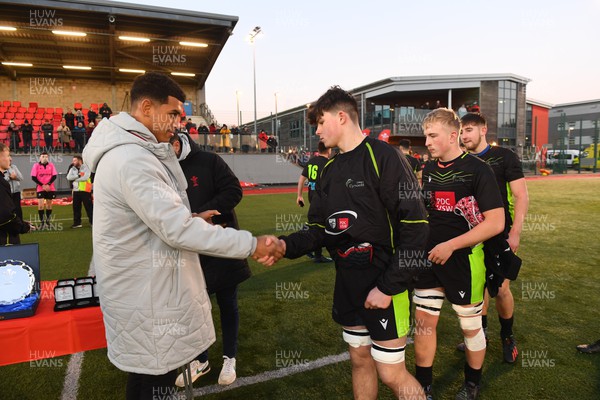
511,204
477,265
401,313
386,211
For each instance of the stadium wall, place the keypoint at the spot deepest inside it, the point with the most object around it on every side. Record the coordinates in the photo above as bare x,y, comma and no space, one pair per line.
54,92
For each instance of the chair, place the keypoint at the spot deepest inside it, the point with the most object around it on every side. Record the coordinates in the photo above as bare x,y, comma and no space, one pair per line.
18,122
21,109
6,103
3,109
29,116
16,103
49,110
58,110
48,116
5,122
9,115
13,109
32,110
19,115
77,106
1,115
33,105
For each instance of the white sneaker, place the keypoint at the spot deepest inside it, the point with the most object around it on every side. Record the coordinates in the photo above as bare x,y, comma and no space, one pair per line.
198,369
227,375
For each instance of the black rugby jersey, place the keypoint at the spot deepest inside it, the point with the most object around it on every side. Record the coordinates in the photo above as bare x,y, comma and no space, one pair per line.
446,184
507,168
311,171
369,194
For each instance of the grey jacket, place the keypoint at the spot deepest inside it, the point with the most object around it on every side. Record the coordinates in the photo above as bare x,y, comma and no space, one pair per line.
157,313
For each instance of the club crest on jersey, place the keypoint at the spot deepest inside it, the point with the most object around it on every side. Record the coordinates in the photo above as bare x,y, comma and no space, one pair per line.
341,221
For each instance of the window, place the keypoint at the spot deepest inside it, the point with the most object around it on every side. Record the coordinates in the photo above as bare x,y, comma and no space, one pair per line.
507,113
295,129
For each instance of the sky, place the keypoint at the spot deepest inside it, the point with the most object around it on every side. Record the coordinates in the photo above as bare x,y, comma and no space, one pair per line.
310,45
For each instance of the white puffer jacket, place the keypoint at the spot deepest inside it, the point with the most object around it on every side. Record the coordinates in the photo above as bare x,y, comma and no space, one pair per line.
156,310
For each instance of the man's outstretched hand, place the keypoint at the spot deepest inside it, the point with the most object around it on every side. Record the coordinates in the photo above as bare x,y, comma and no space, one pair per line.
269,250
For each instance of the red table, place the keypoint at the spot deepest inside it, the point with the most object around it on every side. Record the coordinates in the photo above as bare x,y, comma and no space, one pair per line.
50,334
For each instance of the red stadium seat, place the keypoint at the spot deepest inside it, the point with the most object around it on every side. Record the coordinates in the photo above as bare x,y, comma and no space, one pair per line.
9,115
58,110
21,109
49,110
5,122
3,109
19,115
77,106
31,110
41,109
6,103
16,103
29,116
13,109
18,122
33,105
1,115
48,116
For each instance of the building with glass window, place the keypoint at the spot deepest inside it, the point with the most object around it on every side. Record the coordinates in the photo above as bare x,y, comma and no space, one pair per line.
400,104
574,125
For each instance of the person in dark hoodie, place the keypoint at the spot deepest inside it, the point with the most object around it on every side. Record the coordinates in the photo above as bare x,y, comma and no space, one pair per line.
213,186
10,223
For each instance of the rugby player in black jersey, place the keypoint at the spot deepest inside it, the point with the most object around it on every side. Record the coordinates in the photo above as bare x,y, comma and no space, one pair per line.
511,182
368,212
456,186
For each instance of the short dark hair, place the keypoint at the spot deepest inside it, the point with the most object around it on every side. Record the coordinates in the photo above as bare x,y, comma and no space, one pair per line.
79,158
473,118
155,86
405,144
335,99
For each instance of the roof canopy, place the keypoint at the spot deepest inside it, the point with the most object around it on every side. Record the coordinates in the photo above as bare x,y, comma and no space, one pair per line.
174,40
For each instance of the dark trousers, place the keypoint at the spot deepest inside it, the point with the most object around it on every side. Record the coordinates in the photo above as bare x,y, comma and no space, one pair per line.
151,387
230,322
17,200
84,198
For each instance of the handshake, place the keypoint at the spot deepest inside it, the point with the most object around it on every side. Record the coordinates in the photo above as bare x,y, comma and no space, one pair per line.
269,250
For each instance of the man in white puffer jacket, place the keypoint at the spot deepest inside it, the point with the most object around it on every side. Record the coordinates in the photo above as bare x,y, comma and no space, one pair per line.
152,293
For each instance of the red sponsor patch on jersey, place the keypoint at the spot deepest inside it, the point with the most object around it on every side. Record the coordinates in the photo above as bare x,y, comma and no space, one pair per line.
343,223
445,201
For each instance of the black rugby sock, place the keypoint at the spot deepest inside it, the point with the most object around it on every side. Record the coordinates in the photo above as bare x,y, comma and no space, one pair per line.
424,375
472,375
506,327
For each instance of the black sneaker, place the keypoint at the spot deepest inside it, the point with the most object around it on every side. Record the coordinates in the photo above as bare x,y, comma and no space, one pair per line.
509,349
322,259
428,392
310,255
589,348
469,391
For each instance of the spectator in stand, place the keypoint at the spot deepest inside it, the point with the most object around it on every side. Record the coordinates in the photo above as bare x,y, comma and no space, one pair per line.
64,135
105,111
462,110
262,141
89,130
69,118
92,115
474,108
80,176
14,177
189,125
225,139
13,134
212,128
425,106
438,104
43,173
79,137
27,132
48,129
203,129
10,223
79,117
